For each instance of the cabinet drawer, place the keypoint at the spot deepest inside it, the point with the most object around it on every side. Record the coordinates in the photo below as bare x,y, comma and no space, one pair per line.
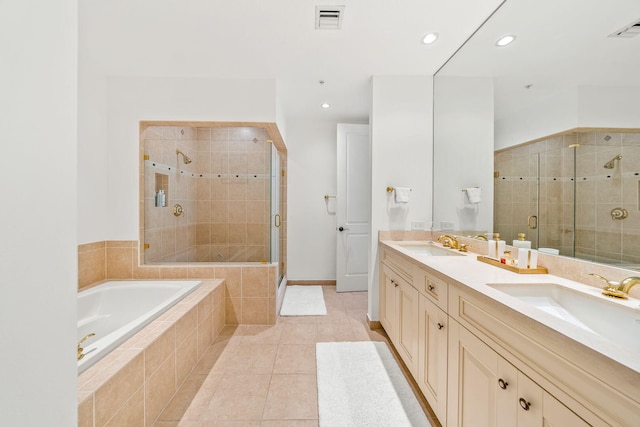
399,265
431,287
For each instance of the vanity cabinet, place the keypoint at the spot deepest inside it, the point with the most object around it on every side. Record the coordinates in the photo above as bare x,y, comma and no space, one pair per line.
399,316
486,390
432,356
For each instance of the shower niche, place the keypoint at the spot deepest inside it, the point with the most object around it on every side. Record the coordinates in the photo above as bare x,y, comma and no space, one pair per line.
226,182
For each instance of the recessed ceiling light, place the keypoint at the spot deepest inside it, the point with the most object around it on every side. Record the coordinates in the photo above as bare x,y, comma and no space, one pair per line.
505,40
430,38
325,105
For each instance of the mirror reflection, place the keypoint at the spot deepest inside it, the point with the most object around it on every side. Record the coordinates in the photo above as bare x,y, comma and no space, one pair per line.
564,129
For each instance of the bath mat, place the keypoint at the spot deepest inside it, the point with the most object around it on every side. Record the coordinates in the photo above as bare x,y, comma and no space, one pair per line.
361,384
303,301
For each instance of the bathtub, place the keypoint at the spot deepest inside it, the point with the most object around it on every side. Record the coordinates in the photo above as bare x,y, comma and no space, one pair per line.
114,311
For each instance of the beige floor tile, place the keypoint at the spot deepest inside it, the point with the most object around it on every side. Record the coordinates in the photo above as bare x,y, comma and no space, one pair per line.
239,397
290,423
298,319
252,359
261,334
299,333
295,359
292,396
335,332
334,315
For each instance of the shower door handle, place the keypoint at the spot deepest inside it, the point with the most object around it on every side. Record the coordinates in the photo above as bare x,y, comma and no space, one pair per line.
276,220
532,222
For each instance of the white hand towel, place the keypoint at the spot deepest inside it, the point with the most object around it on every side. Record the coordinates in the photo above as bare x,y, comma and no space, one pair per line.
474,194
401,194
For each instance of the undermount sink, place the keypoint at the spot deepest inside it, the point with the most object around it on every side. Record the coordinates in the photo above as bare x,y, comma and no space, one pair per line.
426,248
607,318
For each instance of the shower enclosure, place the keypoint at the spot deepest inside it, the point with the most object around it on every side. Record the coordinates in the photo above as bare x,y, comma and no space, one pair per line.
211,194
578,193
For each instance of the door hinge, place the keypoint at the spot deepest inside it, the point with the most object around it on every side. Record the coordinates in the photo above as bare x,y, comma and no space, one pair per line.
146,157
146,246
282,172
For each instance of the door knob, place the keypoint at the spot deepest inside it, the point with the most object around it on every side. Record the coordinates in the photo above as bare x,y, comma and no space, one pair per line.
342,228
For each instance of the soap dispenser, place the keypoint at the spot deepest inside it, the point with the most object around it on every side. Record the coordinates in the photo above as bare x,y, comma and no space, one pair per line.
521,242
496,247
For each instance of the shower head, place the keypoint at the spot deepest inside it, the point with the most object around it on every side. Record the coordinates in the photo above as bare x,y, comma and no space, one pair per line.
612,163
185,158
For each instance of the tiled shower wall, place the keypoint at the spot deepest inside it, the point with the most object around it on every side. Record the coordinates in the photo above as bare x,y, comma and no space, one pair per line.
597,191
224,191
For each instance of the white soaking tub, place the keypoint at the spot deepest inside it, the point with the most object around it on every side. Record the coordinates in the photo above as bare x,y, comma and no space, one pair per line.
114,311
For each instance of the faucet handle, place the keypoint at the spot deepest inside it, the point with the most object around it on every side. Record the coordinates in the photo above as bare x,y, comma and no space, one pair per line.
610,283
86,337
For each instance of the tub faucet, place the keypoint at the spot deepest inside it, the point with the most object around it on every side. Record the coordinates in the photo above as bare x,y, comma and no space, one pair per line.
618,289
448,241
80,349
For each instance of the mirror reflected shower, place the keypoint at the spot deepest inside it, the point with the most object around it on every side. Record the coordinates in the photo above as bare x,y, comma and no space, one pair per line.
580,208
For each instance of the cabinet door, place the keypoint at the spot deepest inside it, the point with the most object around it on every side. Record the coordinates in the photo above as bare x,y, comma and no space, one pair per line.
389,302
555,414
473,377
432,357
407,333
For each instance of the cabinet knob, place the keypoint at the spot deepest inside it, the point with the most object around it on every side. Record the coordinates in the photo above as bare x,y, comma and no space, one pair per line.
440,326
503,384
431,287
524,404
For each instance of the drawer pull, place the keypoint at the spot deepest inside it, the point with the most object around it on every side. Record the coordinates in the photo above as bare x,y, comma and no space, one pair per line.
524,404
431,287
440,326
503,384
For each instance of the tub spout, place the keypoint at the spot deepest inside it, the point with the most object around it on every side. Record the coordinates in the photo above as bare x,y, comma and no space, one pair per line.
80,349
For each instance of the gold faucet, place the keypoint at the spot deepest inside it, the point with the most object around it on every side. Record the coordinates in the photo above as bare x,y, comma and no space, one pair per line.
80,349
448,241
480,237
618,289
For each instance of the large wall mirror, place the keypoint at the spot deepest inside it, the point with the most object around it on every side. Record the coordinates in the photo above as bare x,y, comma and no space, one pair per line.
548,126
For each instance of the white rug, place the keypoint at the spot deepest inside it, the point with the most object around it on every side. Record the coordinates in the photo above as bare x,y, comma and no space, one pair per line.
360,384
303,301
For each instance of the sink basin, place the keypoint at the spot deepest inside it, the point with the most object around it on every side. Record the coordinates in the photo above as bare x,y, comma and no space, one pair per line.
609,319
426,248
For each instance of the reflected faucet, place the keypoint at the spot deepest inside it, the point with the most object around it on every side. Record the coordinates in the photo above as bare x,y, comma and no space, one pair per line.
448,241
618,289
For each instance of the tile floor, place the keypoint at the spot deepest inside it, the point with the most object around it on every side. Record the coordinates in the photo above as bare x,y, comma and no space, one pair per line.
265,376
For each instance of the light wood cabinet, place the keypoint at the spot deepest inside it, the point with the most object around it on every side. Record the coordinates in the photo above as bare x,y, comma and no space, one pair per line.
399,316
486,390
432,356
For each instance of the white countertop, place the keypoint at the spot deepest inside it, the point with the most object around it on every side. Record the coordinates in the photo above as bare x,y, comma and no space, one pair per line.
468,271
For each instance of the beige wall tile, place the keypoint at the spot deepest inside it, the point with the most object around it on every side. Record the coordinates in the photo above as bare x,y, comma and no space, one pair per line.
186,325
233,311
118,390
205,335
85,412
255,311
159,389
233,280
173,272
159,350
255,281
186,356
119,262
201,272
131,414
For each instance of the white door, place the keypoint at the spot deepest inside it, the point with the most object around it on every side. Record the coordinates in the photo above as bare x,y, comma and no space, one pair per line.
353,208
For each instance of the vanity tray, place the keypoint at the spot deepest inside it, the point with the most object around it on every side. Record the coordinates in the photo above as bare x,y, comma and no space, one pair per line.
537,270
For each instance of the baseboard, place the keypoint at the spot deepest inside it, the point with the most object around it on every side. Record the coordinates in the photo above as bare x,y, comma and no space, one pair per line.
311,282
373,324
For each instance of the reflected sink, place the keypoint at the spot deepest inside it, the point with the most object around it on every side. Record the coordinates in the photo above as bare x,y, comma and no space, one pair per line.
426,248
607,318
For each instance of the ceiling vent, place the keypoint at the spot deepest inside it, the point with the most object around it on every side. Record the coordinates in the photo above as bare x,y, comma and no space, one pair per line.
627,32
329,17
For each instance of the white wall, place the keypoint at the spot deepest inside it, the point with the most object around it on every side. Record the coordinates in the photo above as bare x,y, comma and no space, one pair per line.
463,154
583,106
134,99
311,227
550,116
401,156
38,255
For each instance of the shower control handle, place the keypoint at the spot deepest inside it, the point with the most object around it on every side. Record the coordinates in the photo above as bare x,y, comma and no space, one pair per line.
341,228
